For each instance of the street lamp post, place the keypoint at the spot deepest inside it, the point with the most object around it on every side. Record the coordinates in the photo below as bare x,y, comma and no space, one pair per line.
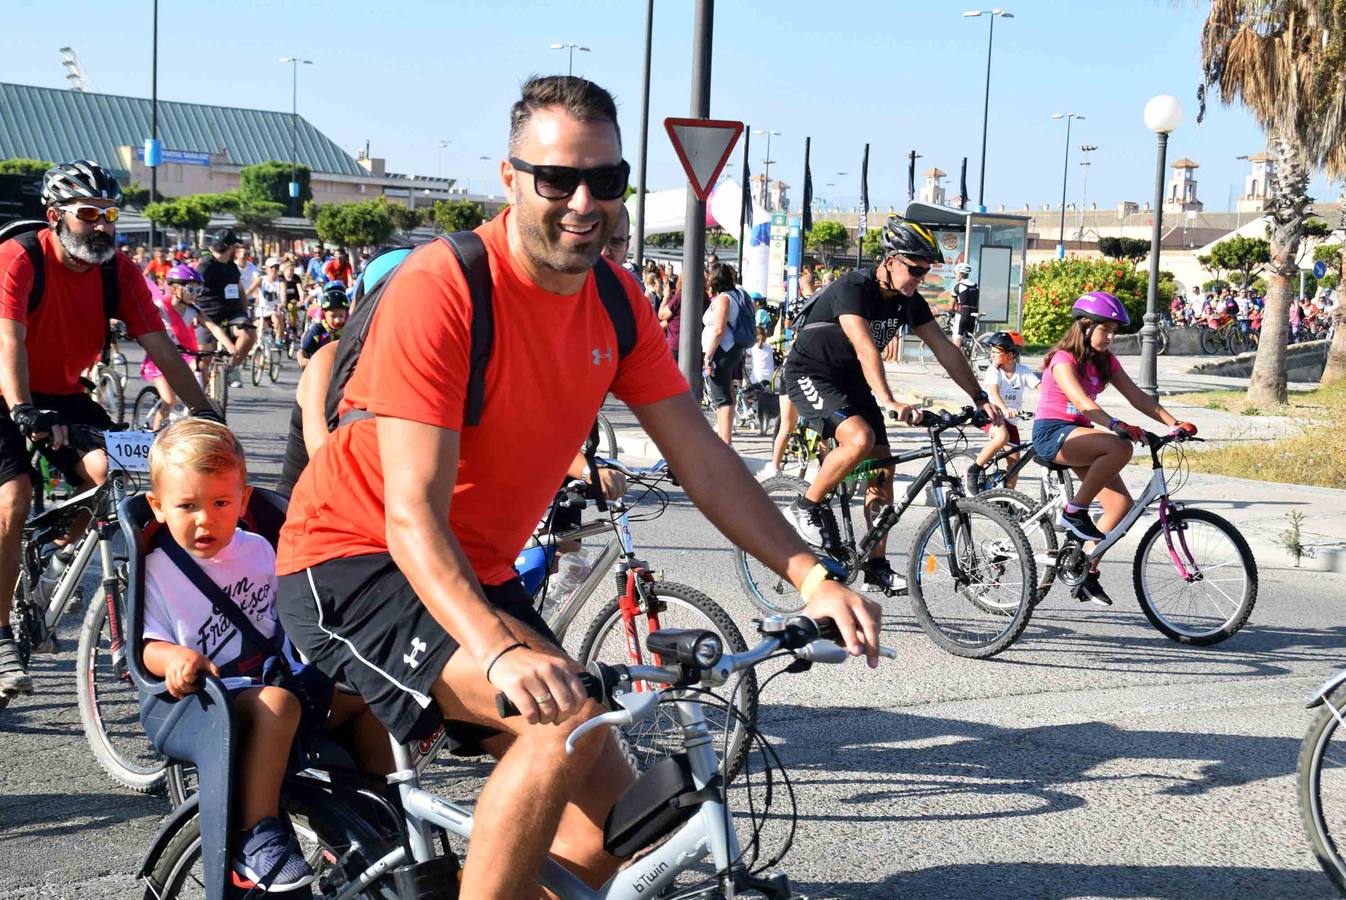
1086,149
1065,176
442,145
1238,212
1163,114
766,168
154,122
572,47
986,103
645,142
294,63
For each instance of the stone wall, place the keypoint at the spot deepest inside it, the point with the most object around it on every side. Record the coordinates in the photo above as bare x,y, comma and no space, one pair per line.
1304,362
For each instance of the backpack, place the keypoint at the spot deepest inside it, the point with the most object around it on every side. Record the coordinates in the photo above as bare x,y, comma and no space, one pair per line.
743,321
470,252
25,232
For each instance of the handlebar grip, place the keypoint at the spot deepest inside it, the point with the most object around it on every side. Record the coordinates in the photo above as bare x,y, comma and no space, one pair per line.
593,688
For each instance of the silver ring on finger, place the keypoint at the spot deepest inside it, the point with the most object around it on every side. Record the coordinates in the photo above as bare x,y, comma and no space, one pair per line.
545,698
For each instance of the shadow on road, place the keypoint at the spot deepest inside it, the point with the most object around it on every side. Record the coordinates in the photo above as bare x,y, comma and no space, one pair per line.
1060,881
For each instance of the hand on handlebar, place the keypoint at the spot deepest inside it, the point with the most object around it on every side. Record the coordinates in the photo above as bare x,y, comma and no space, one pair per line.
1184,429
1127,432
993,413
544,687
855,616
612,482
40,424
901,412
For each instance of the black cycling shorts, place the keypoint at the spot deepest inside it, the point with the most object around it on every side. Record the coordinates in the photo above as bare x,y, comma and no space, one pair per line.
359,621
75,409
720,384
824,404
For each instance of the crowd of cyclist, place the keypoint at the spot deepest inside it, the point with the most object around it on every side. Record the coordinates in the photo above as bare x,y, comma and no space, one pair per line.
385,571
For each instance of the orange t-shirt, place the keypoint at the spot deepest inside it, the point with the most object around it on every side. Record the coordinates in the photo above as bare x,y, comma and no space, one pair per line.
553,360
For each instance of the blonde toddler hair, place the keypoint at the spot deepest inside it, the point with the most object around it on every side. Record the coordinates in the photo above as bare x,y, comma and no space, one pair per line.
198,445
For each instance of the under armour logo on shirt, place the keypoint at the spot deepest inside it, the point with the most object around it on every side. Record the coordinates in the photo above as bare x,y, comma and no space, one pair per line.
418,647
600,357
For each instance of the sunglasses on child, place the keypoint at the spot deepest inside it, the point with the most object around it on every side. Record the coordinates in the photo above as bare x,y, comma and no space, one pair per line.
87,213
561,182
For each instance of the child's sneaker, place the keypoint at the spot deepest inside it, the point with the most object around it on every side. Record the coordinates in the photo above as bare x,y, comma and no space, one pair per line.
270,856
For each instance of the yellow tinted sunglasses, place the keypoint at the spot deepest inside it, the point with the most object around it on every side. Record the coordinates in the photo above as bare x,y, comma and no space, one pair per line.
88,213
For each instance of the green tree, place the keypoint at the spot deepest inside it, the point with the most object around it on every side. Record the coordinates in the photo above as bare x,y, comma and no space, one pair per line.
456,215
406,219
185,214
347,225
827,238
1286,63
135,196
1132,249
21,166
871,246
270,181
1242,257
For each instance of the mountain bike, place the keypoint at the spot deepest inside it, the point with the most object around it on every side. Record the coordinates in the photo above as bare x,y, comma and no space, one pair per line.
644,604
49,586
970,570
1321,778
265,358
1194,575
381,843
998,470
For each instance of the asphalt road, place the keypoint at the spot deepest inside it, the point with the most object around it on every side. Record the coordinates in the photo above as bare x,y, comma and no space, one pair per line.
1094,759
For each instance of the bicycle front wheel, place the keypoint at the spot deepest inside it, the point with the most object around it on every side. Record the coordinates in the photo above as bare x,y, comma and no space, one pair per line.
1040,533
607,438
142,412
1196,582
256,363
981,610
272,363
1321,783
771,593
679,606
1210,341
111,396
109,707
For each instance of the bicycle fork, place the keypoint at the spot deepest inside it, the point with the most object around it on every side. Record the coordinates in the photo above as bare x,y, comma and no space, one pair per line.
1190,571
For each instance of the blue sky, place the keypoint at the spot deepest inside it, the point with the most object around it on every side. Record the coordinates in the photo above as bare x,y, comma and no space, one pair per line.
900,75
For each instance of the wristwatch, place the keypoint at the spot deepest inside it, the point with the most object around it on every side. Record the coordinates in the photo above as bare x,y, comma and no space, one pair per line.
981,397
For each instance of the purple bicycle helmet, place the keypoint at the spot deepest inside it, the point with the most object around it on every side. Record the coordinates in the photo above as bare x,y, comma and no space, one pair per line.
1100,306
183,274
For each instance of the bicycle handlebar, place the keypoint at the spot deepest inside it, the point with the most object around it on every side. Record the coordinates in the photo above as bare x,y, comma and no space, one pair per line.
943,420
809,640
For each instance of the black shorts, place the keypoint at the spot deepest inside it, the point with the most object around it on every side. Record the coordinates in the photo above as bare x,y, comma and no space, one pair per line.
720,384
824,404
359,621
75,409
232,315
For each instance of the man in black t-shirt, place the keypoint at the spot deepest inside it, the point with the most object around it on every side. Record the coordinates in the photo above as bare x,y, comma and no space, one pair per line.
222,299
836,381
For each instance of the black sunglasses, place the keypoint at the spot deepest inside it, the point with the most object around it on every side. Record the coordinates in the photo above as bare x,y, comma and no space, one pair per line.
560,182
918,271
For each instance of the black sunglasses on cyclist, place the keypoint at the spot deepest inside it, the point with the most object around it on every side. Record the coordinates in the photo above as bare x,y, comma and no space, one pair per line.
88,213
918,271
561,182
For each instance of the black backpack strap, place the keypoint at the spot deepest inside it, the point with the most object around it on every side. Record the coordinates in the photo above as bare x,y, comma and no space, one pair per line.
33,247
613,295
468,248
215,594
111,293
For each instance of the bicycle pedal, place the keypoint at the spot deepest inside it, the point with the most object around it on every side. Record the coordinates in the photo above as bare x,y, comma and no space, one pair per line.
50,647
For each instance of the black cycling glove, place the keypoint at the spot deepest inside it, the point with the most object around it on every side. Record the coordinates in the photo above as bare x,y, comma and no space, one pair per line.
209,414
32,420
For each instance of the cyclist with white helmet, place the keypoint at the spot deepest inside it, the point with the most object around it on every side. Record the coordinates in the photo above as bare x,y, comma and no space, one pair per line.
183,317
59,285
836,380
1006,381
269,302
1074,373
966,301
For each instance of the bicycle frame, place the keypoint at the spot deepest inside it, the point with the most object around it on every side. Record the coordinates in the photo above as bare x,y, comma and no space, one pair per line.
705,833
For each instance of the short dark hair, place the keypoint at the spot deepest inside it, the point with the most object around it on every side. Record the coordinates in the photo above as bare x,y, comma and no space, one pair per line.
722,278
579,97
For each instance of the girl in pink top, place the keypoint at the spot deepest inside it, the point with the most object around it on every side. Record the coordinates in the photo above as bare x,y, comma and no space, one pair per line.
1074,373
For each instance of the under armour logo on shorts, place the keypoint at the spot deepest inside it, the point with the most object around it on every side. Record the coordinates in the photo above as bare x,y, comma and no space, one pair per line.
418,647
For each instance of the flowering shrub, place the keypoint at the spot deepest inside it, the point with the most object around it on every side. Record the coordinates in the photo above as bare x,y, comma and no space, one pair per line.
1052,287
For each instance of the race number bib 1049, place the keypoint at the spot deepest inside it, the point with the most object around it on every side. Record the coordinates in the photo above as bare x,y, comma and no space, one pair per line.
129,450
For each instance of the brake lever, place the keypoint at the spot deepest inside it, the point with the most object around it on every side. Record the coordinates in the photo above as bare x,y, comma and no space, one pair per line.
636,706
824,651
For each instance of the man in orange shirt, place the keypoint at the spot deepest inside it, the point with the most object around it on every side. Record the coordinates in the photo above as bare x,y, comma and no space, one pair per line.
338,268
402,530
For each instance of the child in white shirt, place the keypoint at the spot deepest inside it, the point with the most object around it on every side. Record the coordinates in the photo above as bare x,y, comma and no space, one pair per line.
763,359
1005,382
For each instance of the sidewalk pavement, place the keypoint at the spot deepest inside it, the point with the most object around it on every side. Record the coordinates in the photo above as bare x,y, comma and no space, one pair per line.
1260,509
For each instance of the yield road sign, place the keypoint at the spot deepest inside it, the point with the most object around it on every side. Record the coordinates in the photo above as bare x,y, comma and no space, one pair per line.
703,146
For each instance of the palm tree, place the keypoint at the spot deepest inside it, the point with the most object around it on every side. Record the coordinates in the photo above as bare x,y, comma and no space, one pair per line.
1285,60
1335,370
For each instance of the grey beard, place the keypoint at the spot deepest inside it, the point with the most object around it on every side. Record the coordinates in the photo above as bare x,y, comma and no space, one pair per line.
85,249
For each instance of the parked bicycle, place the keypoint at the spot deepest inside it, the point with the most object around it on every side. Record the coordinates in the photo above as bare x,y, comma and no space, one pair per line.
970,570
381,843
49,585
1194,575
1321,778
644,603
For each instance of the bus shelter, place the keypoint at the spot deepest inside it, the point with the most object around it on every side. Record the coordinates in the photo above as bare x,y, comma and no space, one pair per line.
994,244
